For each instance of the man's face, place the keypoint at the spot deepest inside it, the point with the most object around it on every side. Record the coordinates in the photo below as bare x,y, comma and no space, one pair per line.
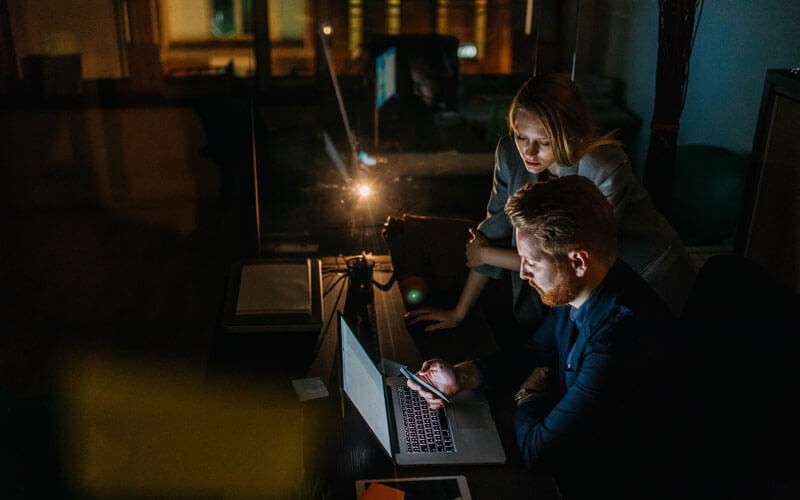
555,280
532,142
425,87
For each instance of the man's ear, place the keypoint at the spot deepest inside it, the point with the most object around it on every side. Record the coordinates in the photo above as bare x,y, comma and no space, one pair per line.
579,259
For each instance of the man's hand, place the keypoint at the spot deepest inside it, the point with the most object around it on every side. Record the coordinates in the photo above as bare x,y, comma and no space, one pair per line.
439,374
474,248
440,318
540,380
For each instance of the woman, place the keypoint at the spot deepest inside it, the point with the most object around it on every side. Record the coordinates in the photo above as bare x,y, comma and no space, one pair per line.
552,135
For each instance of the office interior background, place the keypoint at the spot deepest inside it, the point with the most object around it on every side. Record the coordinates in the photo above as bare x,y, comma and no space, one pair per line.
148,145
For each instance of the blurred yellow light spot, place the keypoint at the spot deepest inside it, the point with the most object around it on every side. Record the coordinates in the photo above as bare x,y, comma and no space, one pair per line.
139,429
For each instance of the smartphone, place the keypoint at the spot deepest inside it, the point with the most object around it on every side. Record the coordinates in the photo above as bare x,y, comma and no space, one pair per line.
411,376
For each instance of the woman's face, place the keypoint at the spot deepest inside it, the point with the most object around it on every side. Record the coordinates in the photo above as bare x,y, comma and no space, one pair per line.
532,142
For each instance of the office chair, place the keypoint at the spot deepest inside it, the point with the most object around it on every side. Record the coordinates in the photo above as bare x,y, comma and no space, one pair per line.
740,376
427,256
707,193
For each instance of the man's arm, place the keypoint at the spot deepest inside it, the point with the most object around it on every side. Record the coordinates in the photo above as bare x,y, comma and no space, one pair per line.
541,426
505,369
469,377
492,371
447,378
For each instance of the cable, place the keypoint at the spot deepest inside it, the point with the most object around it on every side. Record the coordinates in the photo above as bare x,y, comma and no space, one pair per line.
324,332
699,4
333,284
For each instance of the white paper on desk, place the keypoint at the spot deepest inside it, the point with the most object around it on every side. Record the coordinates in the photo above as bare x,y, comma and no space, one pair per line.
275,288
309,388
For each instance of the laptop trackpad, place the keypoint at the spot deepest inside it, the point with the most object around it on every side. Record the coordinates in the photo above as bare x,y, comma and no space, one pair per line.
470,416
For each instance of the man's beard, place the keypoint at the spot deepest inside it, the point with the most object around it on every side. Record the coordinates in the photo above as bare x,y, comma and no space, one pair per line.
567,287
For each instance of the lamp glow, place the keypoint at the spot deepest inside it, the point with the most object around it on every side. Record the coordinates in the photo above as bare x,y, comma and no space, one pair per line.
467,51
327,30
363,190
366,159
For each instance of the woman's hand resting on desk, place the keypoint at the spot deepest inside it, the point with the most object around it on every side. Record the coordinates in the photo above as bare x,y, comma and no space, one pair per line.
474,248
440,318
442,376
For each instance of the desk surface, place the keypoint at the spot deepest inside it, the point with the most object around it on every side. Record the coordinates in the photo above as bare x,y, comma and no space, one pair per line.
339,448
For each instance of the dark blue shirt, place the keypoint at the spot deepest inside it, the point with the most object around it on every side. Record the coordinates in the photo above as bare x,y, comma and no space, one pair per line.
609,357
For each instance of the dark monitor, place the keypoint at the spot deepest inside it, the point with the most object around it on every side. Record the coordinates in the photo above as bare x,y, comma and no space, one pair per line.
769,230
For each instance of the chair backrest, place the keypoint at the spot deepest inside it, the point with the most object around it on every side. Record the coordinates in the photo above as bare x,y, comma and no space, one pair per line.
428,254
707,193
497,121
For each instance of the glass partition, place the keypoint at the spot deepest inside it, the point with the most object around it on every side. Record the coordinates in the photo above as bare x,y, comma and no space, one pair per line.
284,101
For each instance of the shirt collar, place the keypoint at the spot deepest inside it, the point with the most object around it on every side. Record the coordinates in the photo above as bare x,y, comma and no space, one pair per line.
575,314
600,302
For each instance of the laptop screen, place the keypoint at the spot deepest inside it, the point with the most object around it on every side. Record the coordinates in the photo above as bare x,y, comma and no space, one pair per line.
363,384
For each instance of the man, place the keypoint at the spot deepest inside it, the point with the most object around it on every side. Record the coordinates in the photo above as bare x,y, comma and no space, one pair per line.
430,74
591,379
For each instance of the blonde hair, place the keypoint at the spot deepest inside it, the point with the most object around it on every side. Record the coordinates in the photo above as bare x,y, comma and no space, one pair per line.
557,102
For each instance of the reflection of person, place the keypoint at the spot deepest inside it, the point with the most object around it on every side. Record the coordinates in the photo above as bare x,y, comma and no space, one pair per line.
429,76
587,405
552,136
426,119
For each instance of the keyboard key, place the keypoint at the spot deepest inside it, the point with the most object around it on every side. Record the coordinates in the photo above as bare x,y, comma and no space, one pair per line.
427,431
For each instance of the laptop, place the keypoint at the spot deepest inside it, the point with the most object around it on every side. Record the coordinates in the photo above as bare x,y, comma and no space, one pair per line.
463,432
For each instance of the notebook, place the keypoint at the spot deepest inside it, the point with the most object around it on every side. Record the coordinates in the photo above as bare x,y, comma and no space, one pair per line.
274,295
463,432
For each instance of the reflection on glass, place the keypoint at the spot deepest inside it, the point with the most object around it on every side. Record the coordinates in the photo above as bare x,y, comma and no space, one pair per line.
217,36
222,18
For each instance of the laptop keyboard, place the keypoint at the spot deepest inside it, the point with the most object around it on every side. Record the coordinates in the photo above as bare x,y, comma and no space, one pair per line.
427,431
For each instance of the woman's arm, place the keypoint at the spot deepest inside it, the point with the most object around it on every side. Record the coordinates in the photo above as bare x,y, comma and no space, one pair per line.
450,318
479,252
496,226
471,292
490,246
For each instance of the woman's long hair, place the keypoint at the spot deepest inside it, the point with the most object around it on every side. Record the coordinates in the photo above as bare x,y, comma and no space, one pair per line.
557,102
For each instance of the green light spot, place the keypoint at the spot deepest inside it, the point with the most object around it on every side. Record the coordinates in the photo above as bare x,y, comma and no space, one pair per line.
414,296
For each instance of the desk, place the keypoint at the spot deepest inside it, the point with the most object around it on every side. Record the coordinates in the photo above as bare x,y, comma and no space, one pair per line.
338,446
